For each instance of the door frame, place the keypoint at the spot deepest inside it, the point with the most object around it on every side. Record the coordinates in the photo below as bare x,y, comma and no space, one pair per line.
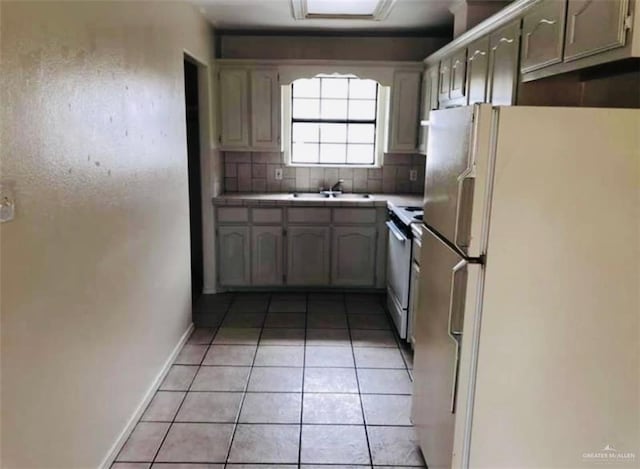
207,167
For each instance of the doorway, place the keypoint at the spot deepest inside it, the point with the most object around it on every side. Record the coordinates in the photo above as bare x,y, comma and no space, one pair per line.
194,167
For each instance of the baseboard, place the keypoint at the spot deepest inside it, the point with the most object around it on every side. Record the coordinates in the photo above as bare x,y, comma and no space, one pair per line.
122,438
209,291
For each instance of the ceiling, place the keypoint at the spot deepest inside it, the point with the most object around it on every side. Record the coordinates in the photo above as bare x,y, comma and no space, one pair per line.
276,15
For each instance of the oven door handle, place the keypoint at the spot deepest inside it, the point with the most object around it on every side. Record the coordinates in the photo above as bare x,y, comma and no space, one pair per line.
396,232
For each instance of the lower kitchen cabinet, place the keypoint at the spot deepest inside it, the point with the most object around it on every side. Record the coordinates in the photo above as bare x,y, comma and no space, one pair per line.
413,302
234,256
266,255
354,256
308,255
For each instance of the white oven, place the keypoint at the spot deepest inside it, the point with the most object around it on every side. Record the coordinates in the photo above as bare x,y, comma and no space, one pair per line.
398,273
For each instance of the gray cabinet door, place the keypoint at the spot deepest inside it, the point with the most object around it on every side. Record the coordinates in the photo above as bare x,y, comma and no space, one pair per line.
404,113
354,256
266,255
234,107
543,35
444,82
503,64
594,26
234,268
477,70
458,74
308,254
265,109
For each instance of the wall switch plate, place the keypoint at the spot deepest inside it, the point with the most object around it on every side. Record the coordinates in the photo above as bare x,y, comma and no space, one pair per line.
278,174
413,175
7,201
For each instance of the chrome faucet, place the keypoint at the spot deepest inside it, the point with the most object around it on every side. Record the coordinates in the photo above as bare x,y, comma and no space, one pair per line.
337,187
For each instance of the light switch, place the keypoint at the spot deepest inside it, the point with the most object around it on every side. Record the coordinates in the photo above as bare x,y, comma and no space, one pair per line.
7,201
413,175
278,174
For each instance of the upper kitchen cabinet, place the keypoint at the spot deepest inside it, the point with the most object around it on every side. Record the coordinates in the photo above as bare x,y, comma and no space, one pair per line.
543,35
458,75
265,109
429,103
477,70
594,26
503,64
403,115
444,82
234,107
249,108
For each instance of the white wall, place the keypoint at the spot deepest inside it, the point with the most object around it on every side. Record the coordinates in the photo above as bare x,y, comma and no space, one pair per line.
95,268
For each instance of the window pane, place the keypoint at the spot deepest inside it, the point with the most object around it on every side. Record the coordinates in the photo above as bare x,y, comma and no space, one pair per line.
360,154
306,88
361,109
332,153
304,153
363,89
334,109
306,108
305,133
333,133
362,133
335,87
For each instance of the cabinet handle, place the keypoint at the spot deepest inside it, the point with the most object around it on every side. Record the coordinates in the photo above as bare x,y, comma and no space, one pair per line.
502,40
456,316
476,53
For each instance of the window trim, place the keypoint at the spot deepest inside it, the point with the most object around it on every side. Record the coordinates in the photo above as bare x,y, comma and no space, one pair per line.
381,126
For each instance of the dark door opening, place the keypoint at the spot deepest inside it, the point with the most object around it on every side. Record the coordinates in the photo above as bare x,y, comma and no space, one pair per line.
195,189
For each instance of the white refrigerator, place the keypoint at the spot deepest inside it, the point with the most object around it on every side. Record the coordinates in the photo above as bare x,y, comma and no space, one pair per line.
527,348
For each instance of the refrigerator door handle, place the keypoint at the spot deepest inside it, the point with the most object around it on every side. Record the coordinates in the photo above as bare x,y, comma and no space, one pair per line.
466,184
456,318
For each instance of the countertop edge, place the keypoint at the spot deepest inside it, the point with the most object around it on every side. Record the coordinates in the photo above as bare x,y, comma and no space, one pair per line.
285,200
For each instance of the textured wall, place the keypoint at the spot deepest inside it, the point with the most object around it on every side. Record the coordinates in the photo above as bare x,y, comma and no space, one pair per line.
255,172
95,267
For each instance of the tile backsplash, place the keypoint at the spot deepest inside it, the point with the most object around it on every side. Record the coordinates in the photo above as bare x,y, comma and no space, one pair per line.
256,172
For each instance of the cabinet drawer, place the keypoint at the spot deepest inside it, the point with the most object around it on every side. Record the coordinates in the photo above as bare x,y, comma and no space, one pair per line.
543,35
309,215
354,215
233,215
266,215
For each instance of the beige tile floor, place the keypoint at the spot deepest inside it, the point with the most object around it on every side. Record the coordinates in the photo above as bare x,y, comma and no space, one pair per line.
303,380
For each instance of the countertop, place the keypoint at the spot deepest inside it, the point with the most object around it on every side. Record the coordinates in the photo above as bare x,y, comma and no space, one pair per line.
287,199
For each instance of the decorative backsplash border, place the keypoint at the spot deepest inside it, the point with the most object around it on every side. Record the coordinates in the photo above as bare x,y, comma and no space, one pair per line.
255,172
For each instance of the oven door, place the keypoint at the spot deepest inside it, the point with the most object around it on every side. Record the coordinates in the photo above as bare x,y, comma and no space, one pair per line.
398,274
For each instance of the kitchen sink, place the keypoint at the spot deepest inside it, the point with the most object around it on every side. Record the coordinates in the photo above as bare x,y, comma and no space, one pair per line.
352,196
329,195
310,195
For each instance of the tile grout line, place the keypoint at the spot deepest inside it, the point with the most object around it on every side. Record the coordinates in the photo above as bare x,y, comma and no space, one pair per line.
304,362
186,393
246,386
353,353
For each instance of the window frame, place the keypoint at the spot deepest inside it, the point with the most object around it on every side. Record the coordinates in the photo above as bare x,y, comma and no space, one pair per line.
381,121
